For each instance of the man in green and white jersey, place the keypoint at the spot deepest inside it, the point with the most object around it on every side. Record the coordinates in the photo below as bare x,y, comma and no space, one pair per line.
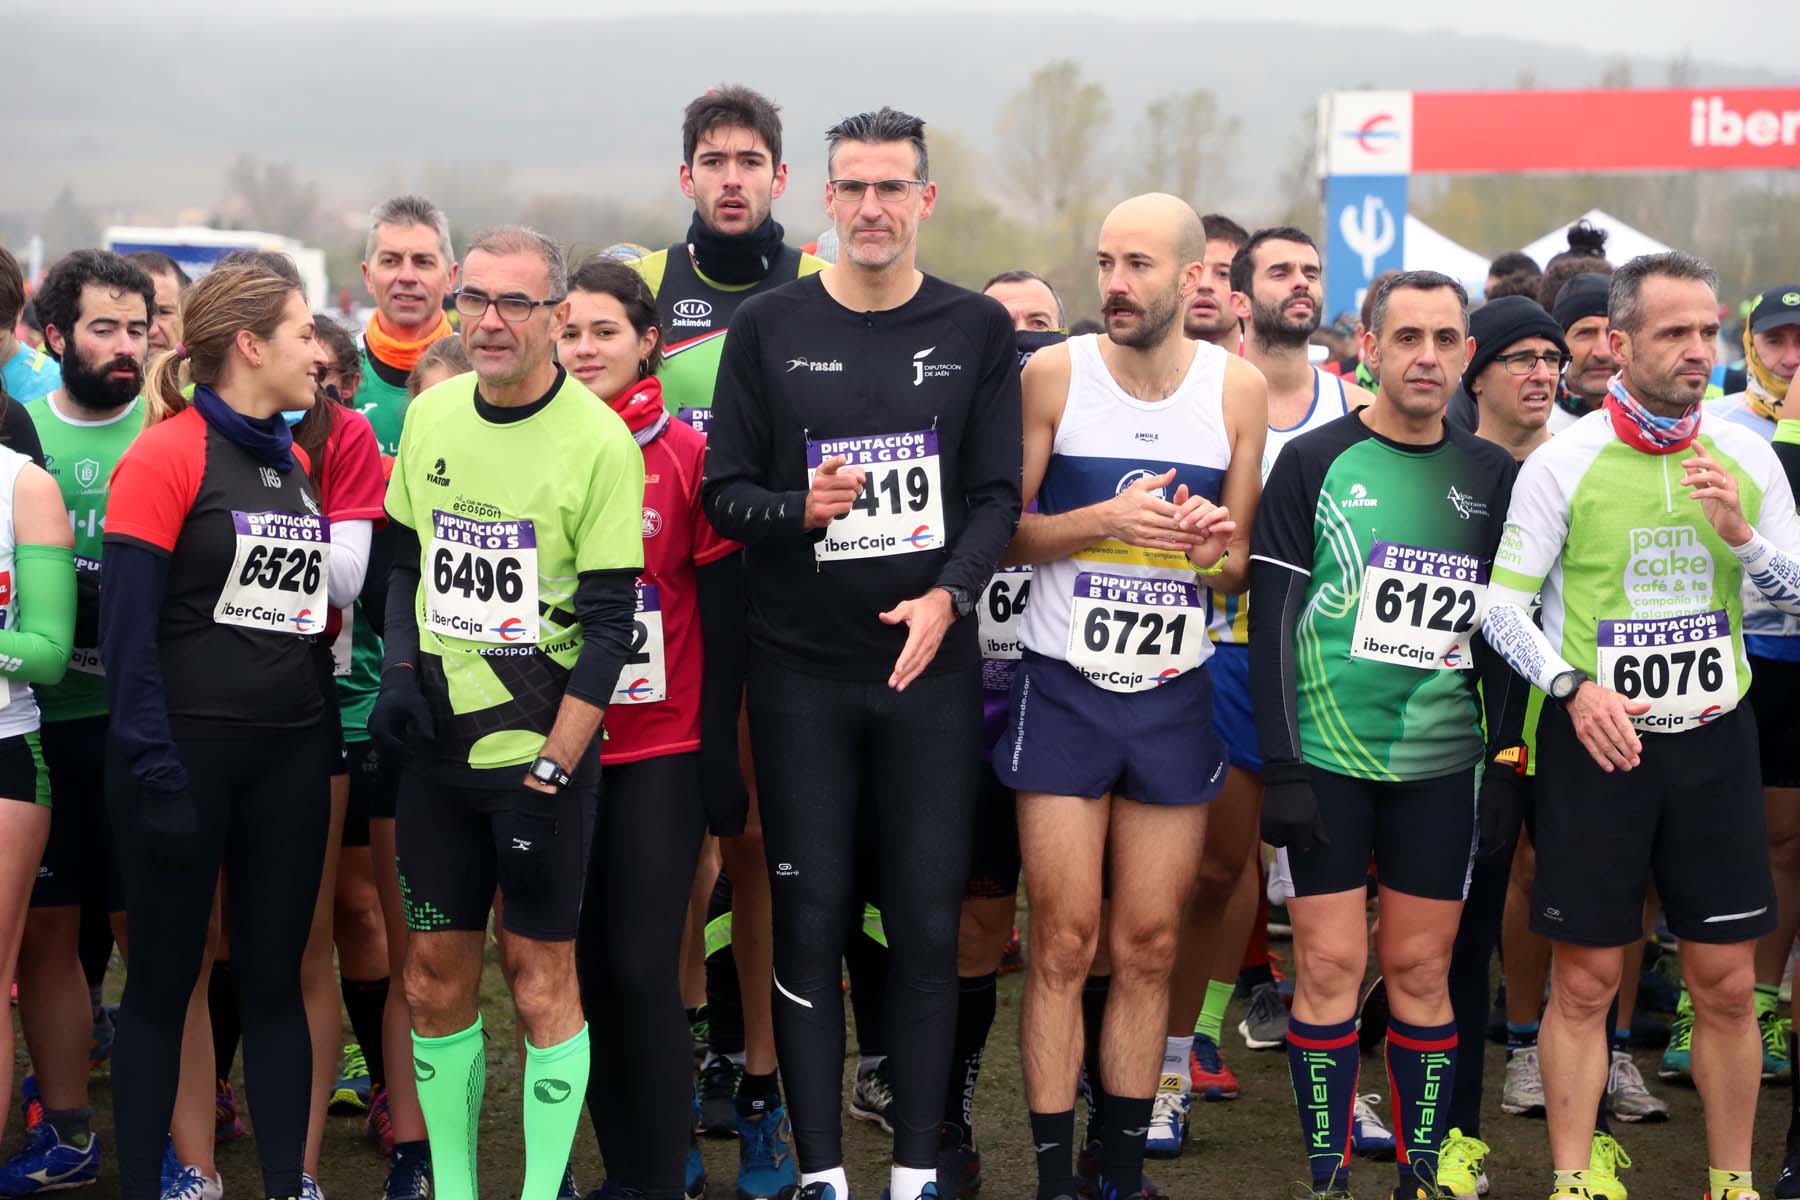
517,500
1369,567
408,268
1639,524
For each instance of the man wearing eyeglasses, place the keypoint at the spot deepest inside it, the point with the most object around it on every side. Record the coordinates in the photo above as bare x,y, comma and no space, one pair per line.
517,501
865,449
1514,372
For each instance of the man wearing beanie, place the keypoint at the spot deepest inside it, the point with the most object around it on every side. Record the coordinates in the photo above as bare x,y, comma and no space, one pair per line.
1580,311
1772,641
1512,376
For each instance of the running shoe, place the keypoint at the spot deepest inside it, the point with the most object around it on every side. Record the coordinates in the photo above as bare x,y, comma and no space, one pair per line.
378,1126
310,1189
227,1125
765,1155
812,1191
1168,1119
1212,1079
873,1094
408,1178
1627,1098
1372,1016
32,1103
1604,1161
565,1190
1369,1137
1265,1026
1659,980
1776,1065
171,1166
1523,1093
45,1163
700,1032
1087,1176
1459,1169
1280,924
1678,1058
1013,957
1330,1191
189,1184
958,1164
1787,1184
718,1096
928,1192
693,1179
350,1094
106,1026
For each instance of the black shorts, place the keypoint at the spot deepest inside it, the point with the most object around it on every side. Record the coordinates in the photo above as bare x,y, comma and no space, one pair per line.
339,758
81,858
448,834
1774,700
374,787
994,857
1420,834
1689,817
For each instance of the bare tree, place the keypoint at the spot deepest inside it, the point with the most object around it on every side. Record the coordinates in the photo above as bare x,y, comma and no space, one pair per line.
271,197
1049,133
1185,147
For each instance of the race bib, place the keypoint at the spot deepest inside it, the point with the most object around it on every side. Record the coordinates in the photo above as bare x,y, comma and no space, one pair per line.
483,582
900,510
86,659
279,573
1419,607
1002,604
1686,667
699,418
342,644
1129,634
644,679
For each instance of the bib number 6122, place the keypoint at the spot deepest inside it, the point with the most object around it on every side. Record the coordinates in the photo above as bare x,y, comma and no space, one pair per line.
1453,609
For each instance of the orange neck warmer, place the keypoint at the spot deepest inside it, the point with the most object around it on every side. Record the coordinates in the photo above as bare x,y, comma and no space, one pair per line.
398,354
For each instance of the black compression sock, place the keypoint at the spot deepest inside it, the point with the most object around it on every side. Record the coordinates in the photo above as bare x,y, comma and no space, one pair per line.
1124,1127
1053,1136
364,1000
976,1001
71,1124
222,1002
757,1094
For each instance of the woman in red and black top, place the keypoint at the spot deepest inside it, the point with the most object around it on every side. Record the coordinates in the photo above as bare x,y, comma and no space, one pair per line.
213,588
661,789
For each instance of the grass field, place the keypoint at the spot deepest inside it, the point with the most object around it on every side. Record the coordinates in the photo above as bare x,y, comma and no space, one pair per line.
1248,1149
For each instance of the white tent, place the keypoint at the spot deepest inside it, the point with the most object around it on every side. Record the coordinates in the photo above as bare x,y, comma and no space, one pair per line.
1429,250
1623,243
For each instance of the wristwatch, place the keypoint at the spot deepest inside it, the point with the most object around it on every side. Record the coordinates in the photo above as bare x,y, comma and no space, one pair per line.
960,601
1566,685
548,770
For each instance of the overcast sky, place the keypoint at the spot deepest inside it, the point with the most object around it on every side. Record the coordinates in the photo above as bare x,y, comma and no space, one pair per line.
1754,33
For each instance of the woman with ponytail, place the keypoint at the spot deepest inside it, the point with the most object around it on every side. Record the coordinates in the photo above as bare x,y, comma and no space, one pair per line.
214,589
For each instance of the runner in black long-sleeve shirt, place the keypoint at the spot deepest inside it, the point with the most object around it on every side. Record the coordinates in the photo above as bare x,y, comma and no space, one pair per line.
865,449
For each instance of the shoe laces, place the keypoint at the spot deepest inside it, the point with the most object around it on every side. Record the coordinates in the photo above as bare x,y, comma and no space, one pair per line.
1462,1152
355,1065
1206,1053
765,1146
1625,1076
190,1184
1681,1031
1265,1003
410,1172
877,1084
1165,1108
718,1076
1366,1113
1775,1031
1607,1149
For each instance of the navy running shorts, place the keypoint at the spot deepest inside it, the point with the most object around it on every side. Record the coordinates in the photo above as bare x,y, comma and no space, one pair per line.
1065,736
1233,716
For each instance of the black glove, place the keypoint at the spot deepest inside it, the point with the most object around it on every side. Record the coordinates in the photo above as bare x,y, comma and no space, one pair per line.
525,857
1290,811
401,720
1501,805
170,829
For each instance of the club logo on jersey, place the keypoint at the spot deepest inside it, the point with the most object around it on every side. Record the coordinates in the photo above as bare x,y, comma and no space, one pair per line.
923,370
652,522
271,478
638,690
1466,506
312,506
87,471
511,629
305,622
794,364
439,474
1669,571
921,538
1359,497
692,313
1130,477
1146,437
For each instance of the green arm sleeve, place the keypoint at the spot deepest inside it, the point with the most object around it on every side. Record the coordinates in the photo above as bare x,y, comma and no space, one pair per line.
38,650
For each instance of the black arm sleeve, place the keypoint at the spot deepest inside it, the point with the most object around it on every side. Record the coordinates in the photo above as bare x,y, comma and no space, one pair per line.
720,587
1274,685
739,451
1504,692
606,606
400,625
991,452
375,579
18,431
131,601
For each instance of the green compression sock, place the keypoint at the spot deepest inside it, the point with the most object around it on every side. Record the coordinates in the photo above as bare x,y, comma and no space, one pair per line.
556,1080
452,1075
1212,1009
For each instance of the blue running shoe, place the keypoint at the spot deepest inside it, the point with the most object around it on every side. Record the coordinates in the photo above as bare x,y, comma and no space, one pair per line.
1168,1119
408,1178
31,1102
765,1155
693,1184
351,1091
1368,1136
190,1184
171,1166
46,1164
929,1192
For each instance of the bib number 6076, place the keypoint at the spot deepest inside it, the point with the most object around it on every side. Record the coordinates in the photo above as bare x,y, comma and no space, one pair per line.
1655,675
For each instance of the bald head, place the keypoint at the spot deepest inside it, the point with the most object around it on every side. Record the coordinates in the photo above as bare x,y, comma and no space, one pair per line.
1151,253
1168,221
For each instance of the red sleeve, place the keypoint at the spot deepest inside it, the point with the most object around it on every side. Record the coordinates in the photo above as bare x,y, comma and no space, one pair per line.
709,545
354,487
155,483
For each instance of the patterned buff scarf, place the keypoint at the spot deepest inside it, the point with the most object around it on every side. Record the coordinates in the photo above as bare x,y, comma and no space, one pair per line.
1642,429
1765,390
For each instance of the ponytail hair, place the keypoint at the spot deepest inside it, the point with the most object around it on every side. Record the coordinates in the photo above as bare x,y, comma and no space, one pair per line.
220,303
